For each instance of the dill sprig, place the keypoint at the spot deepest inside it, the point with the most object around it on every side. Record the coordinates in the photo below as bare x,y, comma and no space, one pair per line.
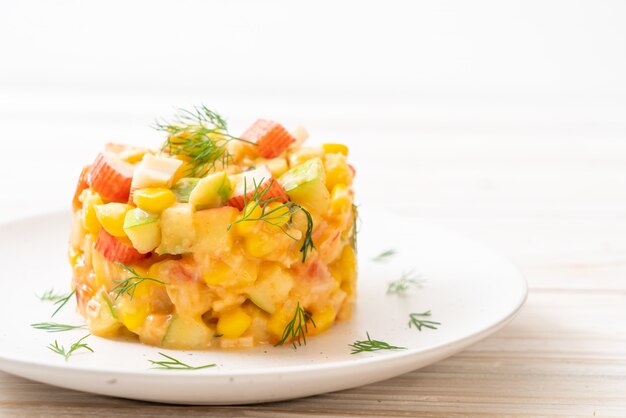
129,285
414,320
201,135
59,349
372,345
55,327
297,328
50,295
278,217
404,283
307,243
61,301
385,255
173,364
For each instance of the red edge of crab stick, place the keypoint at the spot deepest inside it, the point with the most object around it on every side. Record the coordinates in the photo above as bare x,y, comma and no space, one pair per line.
115,250
275,191
351,167
271,137
111,177
83,183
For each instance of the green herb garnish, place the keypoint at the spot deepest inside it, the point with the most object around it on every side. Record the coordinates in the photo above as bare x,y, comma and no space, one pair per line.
59,349
278,217
404,283
50,295
385,255
129,285
61,301
414,320
356,220
297,328
372,345
55,327
173,364
200,135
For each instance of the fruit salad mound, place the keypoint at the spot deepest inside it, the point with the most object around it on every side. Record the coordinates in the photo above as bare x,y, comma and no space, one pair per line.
214,240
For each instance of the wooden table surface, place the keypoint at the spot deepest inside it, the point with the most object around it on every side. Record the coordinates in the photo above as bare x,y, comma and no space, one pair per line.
550,197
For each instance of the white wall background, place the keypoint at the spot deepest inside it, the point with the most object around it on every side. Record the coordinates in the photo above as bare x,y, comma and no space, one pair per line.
418,89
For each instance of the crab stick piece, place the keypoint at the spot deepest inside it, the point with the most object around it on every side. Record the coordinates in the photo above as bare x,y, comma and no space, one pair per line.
271,137
256,184
114,249
111,177
83,183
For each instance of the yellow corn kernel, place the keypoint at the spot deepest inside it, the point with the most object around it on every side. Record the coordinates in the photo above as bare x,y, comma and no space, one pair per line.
219,273
335,271
335,149
340,199
90,201
133,155
337,170
233,323
276,166
131,312
185,168
278,321
111,217
261,244
277,213
304,154
143,290
250,214
154,199
347,267
323,320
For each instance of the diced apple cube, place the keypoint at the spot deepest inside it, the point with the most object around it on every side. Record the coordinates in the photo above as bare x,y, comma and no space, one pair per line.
212,231
177,230
271,289
187,333
305,184
101,317
143,230
182,188
212,191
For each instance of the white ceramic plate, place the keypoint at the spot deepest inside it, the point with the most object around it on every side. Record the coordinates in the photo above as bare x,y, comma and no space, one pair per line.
471,291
